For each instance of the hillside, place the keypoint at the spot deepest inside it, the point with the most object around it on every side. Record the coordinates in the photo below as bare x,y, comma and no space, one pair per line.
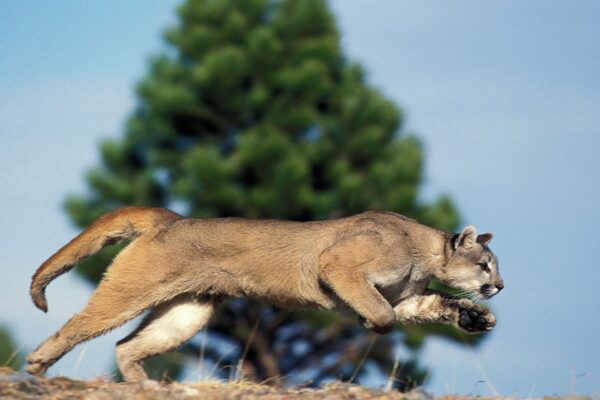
14,385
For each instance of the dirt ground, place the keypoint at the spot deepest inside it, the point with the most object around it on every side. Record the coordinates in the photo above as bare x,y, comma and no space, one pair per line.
15,385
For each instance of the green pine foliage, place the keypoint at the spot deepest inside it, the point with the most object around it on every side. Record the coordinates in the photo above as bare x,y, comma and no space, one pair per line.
253,110
9,354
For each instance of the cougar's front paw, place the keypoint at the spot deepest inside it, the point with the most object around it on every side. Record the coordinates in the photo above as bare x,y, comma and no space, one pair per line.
476,319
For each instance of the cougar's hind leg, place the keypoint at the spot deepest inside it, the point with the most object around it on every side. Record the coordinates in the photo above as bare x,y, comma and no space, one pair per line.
115,301
166,328
106,310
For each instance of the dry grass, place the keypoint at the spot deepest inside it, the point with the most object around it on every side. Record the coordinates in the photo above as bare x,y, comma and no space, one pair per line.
15,385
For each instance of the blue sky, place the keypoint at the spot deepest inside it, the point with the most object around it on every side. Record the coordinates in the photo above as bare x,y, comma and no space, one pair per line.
505,95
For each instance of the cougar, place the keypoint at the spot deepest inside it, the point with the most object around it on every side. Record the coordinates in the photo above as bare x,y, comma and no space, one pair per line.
378,264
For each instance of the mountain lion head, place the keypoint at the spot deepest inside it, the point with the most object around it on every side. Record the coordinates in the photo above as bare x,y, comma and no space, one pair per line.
472,267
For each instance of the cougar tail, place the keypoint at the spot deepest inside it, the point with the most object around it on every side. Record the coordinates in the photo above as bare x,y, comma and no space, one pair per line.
121,224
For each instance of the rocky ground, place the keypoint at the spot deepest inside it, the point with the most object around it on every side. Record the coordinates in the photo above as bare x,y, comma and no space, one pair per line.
15,385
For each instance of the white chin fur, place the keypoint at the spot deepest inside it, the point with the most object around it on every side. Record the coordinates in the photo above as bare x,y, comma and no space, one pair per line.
490,294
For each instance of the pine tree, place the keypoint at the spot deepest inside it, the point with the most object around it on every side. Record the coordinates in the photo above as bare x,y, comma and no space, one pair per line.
254,111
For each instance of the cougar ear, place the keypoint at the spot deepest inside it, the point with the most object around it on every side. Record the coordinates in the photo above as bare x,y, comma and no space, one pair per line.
484,238
467,238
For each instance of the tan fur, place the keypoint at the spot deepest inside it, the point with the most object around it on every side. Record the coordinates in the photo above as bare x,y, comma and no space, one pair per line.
378,264
122,224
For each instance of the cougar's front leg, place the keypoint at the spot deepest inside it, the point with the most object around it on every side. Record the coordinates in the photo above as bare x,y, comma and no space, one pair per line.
344,270
434,307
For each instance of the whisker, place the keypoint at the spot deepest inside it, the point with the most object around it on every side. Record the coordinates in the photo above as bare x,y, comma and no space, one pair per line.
467,292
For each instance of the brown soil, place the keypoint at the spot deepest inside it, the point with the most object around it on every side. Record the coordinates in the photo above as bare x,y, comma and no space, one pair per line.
15,385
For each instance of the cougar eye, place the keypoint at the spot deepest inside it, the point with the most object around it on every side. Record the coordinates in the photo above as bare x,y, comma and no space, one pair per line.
484,266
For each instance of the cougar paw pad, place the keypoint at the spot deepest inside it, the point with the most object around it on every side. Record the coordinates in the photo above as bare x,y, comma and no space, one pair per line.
476,320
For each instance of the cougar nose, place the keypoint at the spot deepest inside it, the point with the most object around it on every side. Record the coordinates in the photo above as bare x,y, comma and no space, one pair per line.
500,286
